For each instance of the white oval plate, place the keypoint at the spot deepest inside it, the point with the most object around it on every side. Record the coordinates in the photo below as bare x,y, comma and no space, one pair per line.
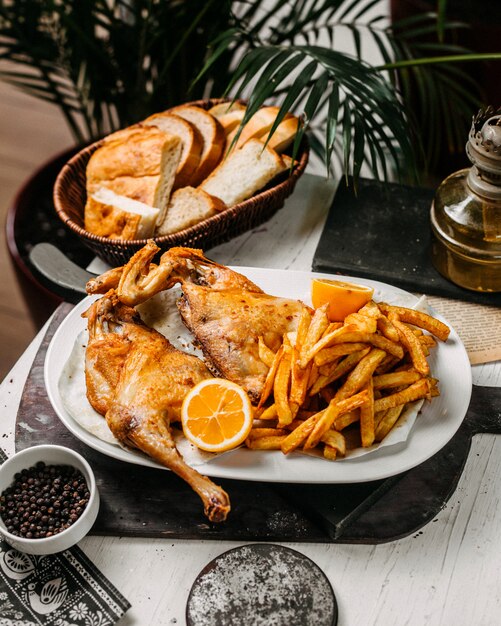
434,427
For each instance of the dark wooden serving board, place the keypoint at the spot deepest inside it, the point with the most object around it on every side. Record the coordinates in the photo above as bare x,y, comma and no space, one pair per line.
145,502
383,232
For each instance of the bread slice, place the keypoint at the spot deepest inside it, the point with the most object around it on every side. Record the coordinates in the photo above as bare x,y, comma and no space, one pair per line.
283,136
192,143
230,121
243,172
219,110
213,135
108,214
143,189
259,124
187,207
139,163
135,152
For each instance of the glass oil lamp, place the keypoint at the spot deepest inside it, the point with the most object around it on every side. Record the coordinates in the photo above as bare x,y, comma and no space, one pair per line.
466,212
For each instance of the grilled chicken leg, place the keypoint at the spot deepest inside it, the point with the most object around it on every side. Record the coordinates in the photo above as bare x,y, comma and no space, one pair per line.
225,311
138,380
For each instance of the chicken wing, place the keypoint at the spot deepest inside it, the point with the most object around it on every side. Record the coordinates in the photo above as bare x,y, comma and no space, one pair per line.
138,380
225,311
141,279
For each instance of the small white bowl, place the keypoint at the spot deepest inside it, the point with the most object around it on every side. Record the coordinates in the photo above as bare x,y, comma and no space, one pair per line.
51,455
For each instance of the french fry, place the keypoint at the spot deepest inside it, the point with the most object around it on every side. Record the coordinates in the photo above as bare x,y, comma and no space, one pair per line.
270,377
367,427
341,368
269,413
327,355
387,364
299,383
330,453
332,327
335,440
281,389
266,355
313,375
319,323
389,419
416,391
428,340
413,345
302,328
343,421
361,373
298,436
334,410
386,328
370,309
363,323
419,319
257,433
350,366
378,341
324,342
396,379
272,442
434,390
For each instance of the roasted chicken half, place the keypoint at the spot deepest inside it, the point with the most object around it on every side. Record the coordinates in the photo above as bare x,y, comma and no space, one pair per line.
138,380
225,311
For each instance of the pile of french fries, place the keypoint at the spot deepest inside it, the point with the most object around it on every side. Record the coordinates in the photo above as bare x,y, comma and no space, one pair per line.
329,379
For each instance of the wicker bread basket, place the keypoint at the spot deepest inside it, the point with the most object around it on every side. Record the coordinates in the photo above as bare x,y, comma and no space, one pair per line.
70,199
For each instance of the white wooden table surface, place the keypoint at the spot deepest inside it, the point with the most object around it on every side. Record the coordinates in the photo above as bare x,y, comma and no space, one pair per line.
448,573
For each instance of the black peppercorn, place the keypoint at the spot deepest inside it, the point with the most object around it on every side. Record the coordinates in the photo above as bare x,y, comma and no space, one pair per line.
44,500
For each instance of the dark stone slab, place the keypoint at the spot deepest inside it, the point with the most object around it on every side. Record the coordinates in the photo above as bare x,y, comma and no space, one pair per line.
146,502
383,232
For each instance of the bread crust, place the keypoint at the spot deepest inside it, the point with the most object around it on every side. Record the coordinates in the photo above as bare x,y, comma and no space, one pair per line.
133,152
260,123
283,136
181,215
221,109
214,138
191,139
106,220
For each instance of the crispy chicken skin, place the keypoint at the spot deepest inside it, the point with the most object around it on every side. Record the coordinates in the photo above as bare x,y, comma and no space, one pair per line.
141,279
225,311
228,324
138,380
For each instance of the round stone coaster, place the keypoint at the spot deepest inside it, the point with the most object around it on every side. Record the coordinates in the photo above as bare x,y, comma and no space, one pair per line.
261,584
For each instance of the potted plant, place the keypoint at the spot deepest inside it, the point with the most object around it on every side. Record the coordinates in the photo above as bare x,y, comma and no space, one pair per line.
108,63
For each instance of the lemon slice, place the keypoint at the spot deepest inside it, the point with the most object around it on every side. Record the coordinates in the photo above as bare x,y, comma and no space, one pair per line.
216,415
343,298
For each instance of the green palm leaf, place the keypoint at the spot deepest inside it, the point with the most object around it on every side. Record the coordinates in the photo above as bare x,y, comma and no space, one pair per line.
109,63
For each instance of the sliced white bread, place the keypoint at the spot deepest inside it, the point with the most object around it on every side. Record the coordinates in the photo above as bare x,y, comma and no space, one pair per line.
213,135
260,123
108,214
243,172
230,121
145,189
191,139
140,165
219,110
283,136
188,206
